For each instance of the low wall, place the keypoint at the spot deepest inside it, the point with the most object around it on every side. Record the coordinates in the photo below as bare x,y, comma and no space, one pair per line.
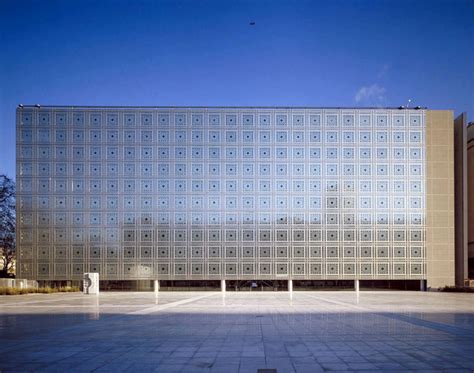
18,283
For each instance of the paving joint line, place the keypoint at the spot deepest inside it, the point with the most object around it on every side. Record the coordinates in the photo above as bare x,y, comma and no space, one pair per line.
160,307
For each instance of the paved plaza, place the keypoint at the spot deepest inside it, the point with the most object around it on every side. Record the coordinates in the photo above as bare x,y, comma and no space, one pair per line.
238,332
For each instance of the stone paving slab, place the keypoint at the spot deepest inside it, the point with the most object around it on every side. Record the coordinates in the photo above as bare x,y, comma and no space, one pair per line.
238,332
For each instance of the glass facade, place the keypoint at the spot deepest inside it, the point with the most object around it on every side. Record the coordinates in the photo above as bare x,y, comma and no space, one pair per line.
221,193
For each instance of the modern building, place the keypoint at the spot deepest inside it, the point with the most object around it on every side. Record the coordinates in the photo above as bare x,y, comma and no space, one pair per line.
236,193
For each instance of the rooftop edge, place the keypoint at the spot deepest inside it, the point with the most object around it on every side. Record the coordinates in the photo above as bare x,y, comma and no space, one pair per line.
38,106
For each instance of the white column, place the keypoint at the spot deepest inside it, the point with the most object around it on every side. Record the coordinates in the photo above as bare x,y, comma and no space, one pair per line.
223,286
290,286
422,285
356,285
156,286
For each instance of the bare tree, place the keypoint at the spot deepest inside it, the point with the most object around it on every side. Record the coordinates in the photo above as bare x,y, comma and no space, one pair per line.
7,225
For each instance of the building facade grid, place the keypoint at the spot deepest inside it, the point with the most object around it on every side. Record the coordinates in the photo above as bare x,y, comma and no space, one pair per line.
214,193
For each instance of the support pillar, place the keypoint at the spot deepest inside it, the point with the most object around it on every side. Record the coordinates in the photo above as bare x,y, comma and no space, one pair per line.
290,286
223,286
356,285
156,286
422,285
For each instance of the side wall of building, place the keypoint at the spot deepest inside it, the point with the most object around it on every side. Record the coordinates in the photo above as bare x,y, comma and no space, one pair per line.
440,198
460,197
470,197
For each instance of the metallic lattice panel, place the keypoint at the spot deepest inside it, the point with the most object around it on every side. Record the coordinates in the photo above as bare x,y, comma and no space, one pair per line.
210,193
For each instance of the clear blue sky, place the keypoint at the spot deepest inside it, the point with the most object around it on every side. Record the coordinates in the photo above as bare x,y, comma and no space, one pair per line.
302,53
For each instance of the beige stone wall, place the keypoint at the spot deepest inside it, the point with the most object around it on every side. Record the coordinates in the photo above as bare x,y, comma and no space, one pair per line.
439,198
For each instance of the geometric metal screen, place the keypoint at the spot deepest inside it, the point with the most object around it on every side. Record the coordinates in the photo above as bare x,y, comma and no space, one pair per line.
211,193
